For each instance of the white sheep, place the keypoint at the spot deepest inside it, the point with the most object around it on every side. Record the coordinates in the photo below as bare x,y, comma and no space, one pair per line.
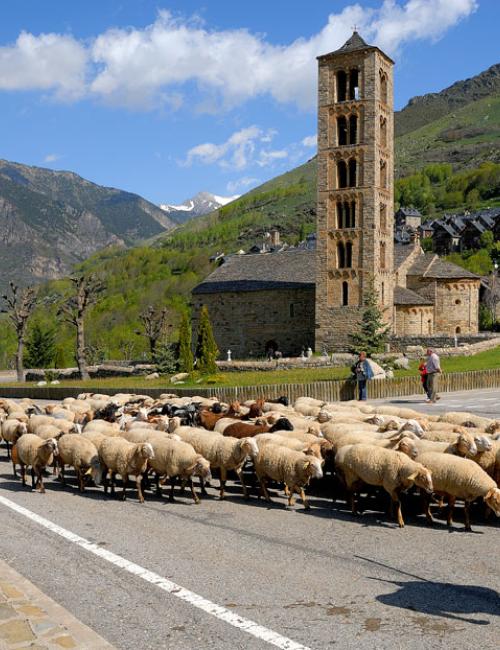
460,478
223,452
32,451
392,470
175,458
124,458
293,468
81,454
12,430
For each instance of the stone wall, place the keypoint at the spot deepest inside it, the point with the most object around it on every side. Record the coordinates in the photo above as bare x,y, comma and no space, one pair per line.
246,322
414,320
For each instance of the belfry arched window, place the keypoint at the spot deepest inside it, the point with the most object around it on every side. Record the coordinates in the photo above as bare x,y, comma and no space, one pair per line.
345,294
348,255
354,84
352,172
353,129
383,131
383,174
383,87
341,86
340,255
341,174
341,130
382,255
383,216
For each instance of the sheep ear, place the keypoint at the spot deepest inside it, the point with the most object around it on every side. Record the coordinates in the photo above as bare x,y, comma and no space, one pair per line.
307,464
413,476
489,493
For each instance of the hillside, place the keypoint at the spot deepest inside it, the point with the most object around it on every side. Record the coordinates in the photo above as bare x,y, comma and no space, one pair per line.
427,108
52,220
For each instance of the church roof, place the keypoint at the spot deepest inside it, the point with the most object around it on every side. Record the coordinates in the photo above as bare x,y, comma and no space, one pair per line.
403,296
354,43
292,269
401,252
431,266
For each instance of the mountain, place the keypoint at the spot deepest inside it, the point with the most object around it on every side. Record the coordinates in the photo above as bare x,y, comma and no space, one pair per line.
422,110
202,203
51,220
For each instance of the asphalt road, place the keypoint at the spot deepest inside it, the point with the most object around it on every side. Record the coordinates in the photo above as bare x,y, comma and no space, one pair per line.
482,402
322,579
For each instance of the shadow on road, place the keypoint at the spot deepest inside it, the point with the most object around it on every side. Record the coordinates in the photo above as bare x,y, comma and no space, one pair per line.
443,599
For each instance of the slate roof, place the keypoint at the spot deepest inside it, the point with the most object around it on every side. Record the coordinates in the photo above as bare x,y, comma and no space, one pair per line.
292,269
404,296
431,266
354,43
409,212
401,252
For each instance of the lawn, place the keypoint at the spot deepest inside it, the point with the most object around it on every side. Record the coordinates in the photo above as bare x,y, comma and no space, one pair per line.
485,360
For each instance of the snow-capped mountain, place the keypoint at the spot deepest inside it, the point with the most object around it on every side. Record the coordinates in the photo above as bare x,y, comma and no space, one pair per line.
202,203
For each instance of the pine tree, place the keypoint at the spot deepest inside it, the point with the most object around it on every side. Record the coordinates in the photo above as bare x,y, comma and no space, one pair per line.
40,347
206,349
185,352
373,333
165,358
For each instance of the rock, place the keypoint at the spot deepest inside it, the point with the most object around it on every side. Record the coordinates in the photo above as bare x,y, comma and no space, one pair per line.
41,383
176,383
402,362
55,382
378,371
179,377
153,375
110,371
389,374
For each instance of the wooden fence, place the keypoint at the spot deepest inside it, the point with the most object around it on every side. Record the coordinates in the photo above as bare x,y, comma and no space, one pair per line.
328,391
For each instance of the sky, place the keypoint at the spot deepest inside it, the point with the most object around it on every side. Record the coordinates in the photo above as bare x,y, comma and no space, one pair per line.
166,99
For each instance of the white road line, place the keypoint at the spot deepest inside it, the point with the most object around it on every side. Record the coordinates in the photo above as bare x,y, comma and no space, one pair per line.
245,624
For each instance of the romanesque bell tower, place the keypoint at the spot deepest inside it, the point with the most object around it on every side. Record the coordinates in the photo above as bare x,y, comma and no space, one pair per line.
355,188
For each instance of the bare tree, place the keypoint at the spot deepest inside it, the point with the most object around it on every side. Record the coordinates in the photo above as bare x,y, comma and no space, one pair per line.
87,289
154,323
19,305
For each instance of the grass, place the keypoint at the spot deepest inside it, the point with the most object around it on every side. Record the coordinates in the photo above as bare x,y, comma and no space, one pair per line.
482,361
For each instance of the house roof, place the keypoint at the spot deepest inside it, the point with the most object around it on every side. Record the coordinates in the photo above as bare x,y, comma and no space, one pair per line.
409,212
404,296
292,269
431,266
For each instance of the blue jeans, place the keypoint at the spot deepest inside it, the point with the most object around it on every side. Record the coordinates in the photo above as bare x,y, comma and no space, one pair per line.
362,389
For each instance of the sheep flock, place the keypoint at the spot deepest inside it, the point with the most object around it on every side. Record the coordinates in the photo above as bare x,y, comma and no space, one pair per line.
348,451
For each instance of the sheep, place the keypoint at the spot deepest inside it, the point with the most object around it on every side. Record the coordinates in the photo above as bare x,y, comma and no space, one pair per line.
459,417
11,431
63,425
124,458
175,458
245,430
37,453
460,478
223,452
392,470
101,425
293,468
488,458
309,438
208,419
47,431
221,424
82,455
95,437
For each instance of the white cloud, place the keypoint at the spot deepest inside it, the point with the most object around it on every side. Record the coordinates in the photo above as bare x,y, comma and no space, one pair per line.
241,184
52,157
151,67
310,141
47,62
269,157
238,152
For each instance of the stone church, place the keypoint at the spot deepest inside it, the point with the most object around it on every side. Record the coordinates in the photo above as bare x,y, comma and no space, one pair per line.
290,298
